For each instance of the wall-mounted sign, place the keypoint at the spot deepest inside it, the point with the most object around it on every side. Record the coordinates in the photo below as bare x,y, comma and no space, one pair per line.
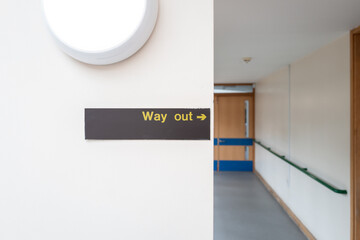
101,32
154,123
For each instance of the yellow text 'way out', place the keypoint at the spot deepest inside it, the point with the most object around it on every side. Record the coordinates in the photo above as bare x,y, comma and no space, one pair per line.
159,117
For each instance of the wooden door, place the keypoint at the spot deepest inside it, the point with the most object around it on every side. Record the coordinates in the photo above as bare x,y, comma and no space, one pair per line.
355,134
233,132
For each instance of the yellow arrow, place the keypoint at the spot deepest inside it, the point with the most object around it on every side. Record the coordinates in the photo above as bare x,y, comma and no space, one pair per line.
202,117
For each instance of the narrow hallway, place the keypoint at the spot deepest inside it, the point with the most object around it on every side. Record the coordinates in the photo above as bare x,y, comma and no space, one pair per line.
245,210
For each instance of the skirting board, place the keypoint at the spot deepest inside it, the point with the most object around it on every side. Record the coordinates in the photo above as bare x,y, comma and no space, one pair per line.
295,219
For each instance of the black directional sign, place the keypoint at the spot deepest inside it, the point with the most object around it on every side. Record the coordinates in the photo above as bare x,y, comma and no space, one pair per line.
149,123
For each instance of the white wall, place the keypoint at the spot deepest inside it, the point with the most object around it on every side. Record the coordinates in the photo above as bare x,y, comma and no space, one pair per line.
313,132
272,119
53,183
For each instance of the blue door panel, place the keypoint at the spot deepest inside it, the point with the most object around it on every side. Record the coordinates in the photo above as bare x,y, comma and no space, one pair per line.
234,141
243,166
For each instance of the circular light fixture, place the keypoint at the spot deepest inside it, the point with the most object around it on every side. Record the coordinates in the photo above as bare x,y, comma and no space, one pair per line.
101,32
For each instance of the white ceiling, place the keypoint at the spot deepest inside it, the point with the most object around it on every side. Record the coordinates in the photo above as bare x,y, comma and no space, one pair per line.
275,33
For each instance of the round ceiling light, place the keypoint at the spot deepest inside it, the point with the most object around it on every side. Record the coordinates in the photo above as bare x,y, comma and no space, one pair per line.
101,32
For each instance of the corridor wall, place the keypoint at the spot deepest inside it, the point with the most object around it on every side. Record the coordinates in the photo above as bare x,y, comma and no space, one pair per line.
303,112
56,185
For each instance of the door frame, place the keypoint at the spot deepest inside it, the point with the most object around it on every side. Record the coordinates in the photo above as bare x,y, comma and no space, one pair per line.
252,108
355,139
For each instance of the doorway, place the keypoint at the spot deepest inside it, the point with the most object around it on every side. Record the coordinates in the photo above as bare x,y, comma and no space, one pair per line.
234,128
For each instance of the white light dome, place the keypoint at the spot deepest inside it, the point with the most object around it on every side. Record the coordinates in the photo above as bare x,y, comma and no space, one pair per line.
101,32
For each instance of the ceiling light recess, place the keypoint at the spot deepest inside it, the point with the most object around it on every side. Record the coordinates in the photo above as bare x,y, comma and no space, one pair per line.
101,32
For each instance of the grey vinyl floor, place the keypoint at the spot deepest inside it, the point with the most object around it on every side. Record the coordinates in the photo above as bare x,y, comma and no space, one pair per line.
245,210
